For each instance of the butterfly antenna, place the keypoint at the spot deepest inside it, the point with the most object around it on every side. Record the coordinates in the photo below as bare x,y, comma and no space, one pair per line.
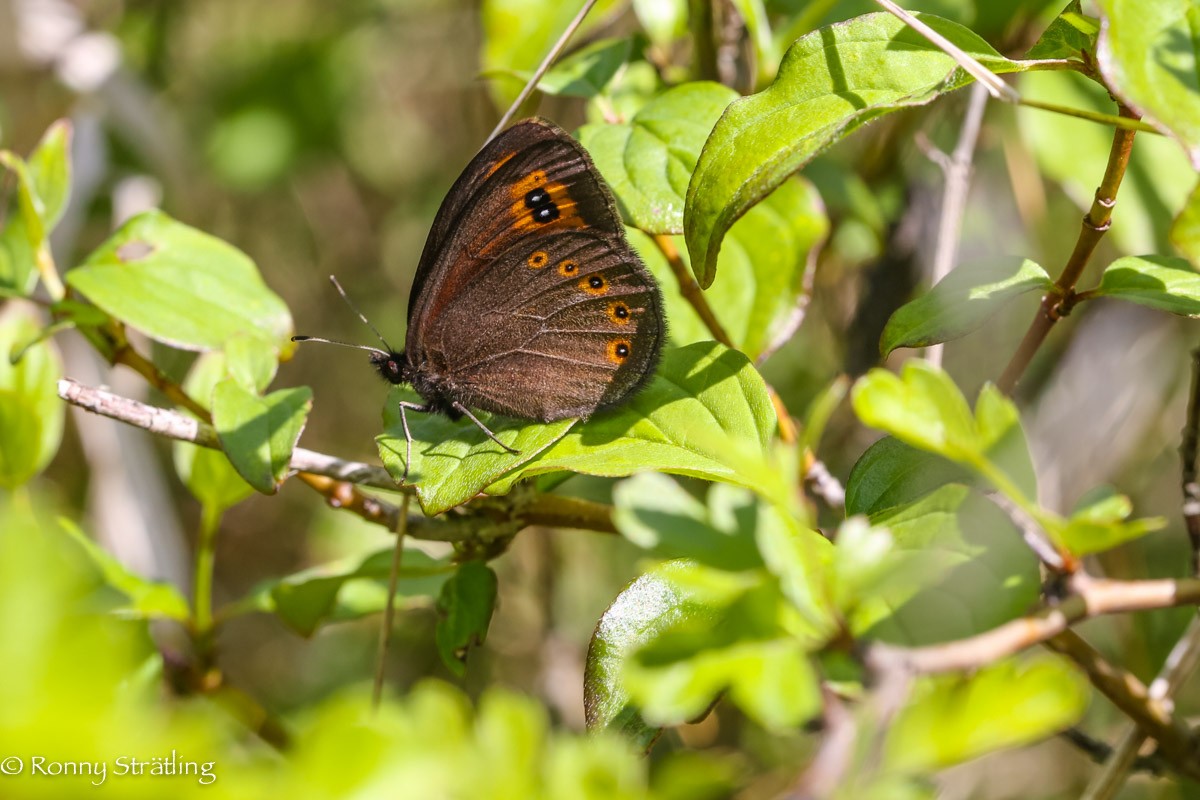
361,316
368,348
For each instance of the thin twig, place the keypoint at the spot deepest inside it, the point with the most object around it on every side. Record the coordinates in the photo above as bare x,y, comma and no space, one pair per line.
1178,667
954,199
1031,532
1178,745
333,476
691,290
995,87
1096,222
389,609
1102,752
1090,597
543,67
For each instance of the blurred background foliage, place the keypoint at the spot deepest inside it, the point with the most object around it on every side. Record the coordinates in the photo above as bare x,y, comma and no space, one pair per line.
321,137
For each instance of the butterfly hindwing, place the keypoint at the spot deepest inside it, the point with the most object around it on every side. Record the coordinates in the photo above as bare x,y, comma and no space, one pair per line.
577,328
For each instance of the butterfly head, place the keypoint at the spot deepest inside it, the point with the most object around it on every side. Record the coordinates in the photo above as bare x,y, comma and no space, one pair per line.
392,366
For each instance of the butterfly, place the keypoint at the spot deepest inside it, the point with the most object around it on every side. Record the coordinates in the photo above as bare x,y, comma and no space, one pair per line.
527,301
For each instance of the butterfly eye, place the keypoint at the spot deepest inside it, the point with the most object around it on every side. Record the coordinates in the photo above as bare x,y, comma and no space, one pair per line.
618,350
567,268
619,313
538,259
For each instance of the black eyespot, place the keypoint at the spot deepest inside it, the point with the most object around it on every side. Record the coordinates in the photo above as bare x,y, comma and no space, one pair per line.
622,350
595,281
621,312
569,266
546,213
537,197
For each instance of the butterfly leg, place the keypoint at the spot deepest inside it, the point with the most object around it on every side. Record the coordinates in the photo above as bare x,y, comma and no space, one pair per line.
459,407
424,409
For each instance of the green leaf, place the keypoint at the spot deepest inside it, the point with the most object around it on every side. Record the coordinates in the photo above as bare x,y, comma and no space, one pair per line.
586,72
147,599
31,412
801,559
891,473
961,302
648,161
1148,55
952,719
517,34
956,567
452,461
1070,35
924,408
741,650
762,286
1098,523
251,362
207,473
705,414
1163,282
663,20
831,82
345,590
1185,230
645,608
465,610
259,433
1072,152
181,287
658,515
50,172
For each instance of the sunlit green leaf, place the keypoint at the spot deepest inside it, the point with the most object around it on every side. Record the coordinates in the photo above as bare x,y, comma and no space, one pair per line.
1163,282
962,302
954,718
259,433
1149,54
648,161
1070,35
830,82
31,413
181,286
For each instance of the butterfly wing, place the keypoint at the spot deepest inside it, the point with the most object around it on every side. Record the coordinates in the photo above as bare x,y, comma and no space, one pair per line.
486,207
529,312
579,326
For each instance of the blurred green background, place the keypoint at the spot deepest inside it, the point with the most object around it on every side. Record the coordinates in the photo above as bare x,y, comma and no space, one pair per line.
320,138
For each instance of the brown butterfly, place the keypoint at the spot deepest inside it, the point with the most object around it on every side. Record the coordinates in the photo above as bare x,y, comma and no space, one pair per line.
528,301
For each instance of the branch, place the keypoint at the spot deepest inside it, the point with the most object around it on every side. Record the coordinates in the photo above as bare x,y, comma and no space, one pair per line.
954,199
1175,740
1090,597
692,292
333,477
1096,222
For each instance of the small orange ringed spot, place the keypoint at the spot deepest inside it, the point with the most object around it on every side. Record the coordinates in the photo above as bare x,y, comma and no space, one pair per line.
594,284
538,259
619,313
619,350
567,268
